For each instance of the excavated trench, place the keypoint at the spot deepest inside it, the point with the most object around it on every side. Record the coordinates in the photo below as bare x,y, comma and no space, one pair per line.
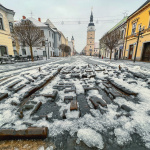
78,103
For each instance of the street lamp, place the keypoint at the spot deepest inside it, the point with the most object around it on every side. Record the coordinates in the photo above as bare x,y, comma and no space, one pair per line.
140,34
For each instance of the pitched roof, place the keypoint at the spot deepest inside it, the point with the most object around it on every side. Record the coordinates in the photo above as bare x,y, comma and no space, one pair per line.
50,24
7,10
37,23
148,1
118,24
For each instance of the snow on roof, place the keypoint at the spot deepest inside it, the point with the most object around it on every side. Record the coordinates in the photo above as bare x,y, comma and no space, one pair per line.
36,22
50,24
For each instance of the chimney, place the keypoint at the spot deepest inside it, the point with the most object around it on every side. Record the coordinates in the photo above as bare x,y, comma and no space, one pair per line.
39,19
23,17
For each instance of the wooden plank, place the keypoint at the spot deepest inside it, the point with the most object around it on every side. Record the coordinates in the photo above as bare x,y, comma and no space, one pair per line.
36,108
96,100
3,96
29,133
13,84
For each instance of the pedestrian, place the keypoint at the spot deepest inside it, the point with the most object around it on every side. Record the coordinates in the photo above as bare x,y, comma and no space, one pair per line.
102,56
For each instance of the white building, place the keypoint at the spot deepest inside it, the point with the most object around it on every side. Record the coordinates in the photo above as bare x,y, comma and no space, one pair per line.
57,38
49,47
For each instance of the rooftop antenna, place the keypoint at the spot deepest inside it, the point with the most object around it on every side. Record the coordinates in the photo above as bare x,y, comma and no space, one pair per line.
125,14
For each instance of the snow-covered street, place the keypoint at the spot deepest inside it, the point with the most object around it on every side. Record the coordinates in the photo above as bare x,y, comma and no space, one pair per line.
85,102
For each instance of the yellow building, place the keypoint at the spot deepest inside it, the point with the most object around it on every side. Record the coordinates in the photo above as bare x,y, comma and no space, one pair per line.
64,41
6,27
140,19
90,37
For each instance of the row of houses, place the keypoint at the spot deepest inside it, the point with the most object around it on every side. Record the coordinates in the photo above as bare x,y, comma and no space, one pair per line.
49,48
130,27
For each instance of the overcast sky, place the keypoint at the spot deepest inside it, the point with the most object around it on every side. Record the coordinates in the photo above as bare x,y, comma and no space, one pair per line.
71,12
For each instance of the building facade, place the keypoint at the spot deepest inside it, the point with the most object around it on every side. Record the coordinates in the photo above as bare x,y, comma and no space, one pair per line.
57,38
73,46
96,49
121,28
64,41
90,37
140,19
6,27
47,47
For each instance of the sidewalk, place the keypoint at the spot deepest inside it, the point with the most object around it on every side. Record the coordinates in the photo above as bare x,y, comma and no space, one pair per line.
139,66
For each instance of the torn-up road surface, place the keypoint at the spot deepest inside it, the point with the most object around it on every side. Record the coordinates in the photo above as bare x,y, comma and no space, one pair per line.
75,104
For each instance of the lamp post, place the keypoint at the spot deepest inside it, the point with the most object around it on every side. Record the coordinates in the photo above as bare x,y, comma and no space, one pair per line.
138,37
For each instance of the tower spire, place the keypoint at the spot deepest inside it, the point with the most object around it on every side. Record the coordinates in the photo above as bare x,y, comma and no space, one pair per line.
91,17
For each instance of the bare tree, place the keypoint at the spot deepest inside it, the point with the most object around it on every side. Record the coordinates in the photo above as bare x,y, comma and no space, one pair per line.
27,32
111,40
65,48
62,47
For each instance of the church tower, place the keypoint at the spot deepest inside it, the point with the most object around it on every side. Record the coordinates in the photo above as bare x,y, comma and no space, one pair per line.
90,37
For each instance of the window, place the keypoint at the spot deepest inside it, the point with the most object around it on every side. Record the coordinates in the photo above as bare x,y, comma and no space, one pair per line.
11,26
122,34
43,43
49,33
3,51
134,28
149,20
42,32
50,44
59,38
52,35
44,53
15,52
23,52
13,43
1,22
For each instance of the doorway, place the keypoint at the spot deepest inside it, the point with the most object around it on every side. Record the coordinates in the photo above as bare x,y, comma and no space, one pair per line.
130,52
146,52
